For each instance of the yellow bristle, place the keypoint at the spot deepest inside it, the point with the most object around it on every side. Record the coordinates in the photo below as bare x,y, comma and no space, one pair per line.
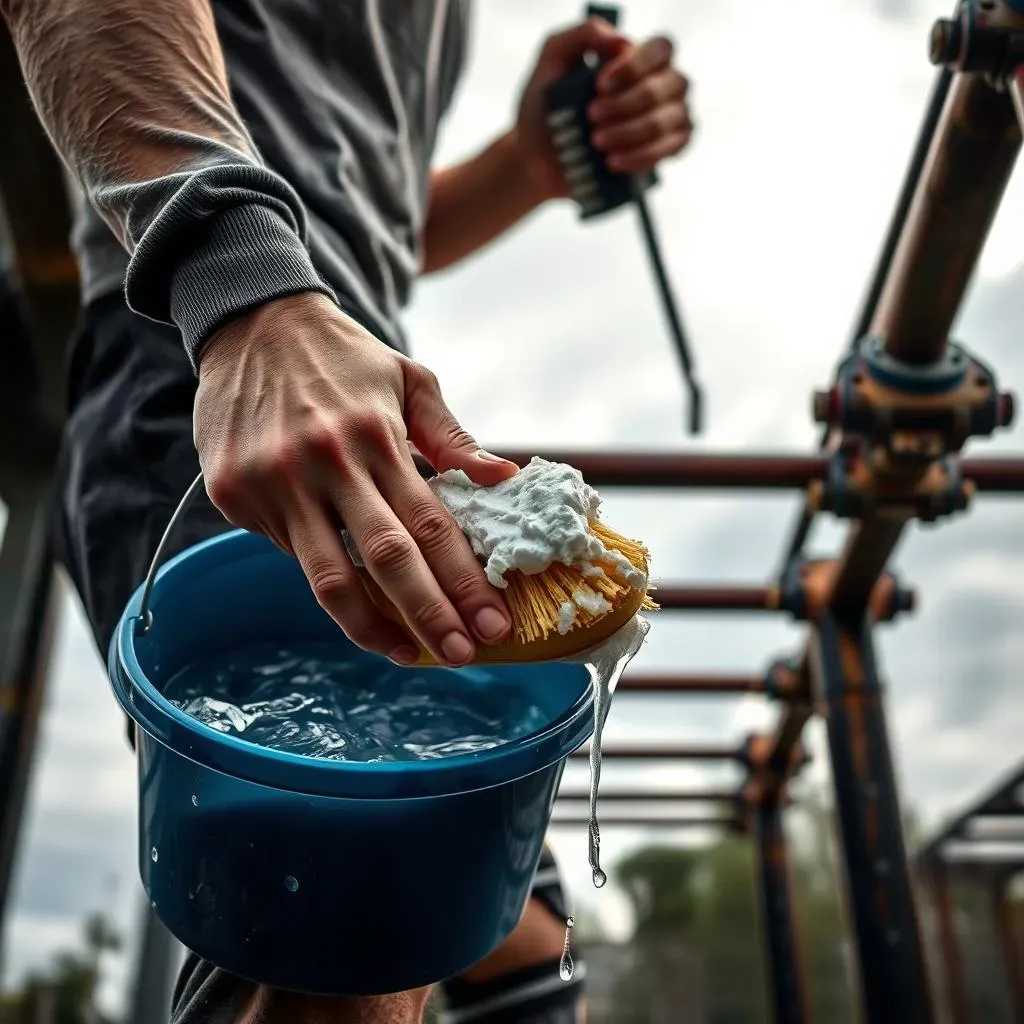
535,601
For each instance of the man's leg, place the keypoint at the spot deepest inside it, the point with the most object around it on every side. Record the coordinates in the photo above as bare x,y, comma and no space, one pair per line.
519,982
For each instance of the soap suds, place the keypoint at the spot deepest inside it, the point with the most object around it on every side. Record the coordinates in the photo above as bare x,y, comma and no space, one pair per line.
534,519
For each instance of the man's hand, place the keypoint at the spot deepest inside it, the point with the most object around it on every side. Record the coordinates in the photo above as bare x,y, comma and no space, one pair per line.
639,117
303,422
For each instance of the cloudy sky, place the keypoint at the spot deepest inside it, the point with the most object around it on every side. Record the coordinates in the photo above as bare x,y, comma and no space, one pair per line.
771,224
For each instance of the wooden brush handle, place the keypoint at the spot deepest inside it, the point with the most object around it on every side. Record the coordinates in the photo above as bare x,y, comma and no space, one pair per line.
551,648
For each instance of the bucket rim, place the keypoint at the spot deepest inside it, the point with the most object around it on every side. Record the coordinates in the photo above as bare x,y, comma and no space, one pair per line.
242,759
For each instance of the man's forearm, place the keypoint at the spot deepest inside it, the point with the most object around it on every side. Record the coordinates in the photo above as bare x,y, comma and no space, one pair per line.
135,97
474,202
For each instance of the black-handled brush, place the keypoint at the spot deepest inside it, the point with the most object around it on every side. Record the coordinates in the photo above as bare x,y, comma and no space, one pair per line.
598,190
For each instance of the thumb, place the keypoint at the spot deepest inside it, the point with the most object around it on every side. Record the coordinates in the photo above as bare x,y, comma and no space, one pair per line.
565,48
438,435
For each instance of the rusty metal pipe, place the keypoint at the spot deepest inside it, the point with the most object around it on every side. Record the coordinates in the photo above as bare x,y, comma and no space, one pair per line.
565,820
717,599
662,753
735,472
666,797
867,550
997,476
969,163
652,469
707,684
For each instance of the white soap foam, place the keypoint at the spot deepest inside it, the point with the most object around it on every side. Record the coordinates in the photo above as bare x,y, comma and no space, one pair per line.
534,519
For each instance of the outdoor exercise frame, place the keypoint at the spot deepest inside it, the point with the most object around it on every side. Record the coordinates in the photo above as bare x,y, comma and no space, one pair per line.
904,401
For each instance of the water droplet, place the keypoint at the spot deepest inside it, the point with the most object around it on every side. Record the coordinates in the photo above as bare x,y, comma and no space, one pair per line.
599,878
153,855
291,883
565,965
195,800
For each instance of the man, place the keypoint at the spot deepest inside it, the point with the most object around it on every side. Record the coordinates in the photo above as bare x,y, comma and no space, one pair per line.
259,199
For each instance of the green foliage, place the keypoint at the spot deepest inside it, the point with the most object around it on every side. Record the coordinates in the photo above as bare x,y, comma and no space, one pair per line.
698,954
68,986
697,929
659,883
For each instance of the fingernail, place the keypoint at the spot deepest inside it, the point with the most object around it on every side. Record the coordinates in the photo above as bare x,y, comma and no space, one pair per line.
607,84
457,648
490,623
594,111
598,140
488,457
404,655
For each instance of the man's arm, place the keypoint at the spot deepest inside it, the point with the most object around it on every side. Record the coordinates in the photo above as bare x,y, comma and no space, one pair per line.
302,418
474,202
134,96
639,117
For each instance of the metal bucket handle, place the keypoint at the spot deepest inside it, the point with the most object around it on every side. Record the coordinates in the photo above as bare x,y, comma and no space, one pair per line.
145,615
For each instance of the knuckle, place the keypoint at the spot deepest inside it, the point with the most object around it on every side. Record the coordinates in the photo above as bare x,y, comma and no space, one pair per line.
668,119
465,586
388,551
429,615
431,525
225,488
331,585
649,92
364,423
457,437
666,45
426,378
321,437
282,461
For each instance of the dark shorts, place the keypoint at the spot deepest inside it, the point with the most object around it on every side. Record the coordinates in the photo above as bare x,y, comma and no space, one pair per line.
127,459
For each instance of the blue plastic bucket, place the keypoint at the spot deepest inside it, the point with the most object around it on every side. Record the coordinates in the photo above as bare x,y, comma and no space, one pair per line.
323,876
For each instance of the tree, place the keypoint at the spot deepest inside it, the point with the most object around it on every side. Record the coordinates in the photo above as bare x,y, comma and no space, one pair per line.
658,881
69,984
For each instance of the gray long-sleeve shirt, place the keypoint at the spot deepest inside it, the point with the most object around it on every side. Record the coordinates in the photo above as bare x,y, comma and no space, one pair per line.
342,99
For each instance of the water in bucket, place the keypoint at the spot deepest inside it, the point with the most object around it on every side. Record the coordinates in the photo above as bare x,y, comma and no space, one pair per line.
311,699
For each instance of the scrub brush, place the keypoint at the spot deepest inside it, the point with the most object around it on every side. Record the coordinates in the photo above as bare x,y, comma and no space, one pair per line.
570,582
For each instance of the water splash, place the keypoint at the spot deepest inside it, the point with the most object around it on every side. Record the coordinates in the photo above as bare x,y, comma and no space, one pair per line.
154,855
565,965
291,883
606,665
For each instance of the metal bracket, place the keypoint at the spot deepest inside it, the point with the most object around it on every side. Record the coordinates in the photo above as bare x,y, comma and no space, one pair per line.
969,43
856,486
782,679
915,413
806,584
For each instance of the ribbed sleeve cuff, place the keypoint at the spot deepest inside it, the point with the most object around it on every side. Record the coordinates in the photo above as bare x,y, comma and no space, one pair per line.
251,255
